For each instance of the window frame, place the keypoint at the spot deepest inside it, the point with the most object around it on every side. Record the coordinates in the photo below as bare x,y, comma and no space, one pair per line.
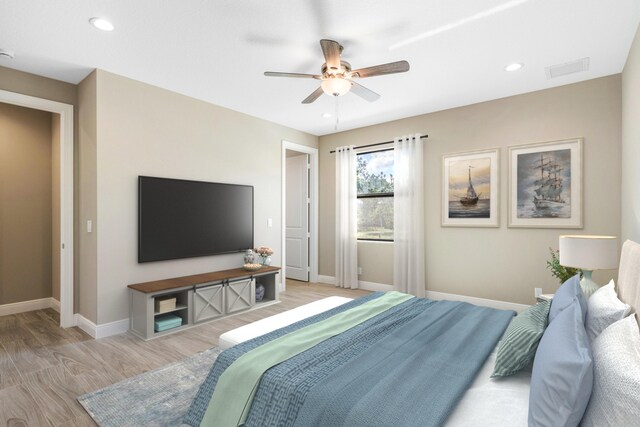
375,195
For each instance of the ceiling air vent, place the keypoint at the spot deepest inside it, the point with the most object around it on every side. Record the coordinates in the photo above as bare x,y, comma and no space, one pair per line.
6,54
567,68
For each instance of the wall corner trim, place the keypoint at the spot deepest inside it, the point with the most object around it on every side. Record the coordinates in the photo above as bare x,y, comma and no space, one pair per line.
101,331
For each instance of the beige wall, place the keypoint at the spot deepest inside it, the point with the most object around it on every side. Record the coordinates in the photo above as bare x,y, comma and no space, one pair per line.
144,130
496,263
87,243
631,143
41,87
25,204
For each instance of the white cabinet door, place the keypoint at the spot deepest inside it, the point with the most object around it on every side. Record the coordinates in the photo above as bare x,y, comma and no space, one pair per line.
297,218
240,295
208,303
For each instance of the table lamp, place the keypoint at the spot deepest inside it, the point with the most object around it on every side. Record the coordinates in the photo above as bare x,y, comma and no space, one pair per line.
589,253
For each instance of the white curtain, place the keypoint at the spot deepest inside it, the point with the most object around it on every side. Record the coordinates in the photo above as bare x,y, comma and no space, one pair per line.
346,218
408,216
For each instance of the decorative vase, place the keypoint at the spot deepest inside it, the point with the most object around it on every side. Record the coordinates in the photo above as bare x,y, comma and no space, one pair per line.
265,259
259,292
249,257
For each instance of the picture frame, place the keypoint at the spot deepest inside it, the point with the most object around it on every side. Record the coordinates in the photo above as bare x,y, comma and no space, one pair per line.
545,184
470,189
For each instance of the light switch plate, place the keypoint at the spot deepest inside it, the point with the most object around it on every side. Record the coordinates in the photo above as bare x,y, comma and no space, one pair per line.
89,226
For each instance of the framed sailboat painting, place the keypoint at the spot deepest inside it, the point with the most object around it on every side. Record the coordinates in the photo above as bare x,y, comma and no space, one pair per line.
470,189
545,184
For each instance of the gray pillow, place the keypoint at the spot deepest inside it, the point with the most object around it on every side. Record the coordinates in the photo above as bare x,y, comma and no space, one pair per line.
562,375
616,384
564,297
518,346
603,309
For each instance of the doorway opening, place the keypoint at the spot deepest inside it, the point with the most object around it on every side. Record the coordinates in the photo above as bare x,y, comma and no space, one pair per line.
62,210
299,213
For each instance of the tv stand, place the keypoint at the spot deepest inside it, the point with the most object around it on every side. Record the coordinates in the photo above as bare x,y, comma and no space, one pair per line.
200,298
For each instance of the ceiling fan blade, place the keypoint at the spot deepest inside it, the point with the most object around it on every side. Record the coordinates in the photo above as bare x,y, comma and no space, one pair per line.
363,92
379,70
314,95
331,51
278,74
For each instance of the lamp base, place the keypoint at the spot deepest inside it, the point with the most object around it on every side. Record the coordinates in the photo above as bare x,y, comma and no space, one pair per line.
587,284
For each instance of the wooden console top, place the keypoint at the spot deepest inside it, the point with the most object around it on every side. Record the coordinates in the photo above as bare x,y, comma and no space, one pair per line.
197,279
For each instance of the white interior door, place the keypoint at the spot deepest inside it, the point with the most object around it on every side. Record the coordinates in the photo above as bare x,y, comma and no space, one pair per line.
297,218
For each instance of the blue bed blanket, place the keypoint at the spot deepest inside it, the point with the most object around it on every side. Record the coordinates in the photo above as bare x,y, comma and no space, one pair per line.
407,366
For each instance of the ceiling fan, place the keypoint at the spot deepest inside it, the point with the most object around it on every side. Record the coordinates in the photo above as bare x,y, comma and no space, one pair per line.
337,77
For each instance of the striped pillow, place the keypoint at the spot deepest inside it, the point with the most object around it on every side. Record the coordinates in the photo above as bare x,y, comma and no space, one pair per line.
520,342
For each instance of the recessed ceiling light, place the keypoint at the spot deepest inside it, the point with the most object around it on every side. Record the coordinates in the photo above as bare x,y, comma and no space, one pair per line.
101,24
514,67
326,115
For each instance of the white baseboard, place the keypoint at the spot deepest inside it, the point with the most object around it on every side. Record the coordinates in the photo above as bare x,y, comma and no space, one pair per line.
101,331
326,279
85,324
367,286
24,306
373,286
501,305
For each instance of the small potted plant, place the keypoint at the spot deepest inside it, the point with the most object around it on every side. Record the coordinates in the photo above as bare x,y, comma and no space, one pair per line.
265,254
559,271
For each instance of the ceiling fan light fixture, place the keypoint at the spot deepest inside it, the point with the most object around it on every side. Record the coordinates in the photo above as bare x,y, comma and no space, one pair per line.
335,86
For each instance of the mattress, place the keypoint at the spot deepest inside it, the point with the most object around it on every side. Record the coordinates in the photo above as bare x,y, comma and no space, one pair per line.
487,402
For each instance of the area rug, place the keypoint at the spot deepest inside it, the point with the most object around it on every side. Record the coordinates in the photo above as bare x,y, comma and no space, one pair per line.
156,398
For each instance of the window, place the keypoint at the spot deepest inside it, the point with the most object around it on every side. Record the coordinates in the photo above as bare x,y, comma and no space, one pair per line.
375,195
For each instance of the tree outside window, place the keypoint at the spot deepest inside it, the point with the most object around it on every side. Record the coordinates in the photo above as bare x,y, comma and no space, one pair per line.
375,195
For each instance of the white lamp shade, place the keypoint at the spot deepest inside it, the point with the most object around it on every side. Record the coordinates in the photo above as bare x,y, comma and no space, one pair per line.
589,252
336,86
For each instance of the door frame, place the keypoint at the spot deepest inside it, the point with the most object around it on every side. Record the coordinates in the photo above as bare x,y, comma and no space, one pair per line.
66,192
313,212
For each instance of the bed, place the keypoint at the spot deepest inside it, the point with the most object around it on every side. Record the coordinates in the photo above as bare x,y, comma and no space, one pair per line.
347,366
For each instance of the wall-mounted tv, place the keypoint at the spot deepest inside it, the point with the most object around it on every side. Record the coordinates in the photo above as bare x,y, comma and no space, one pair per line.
184,219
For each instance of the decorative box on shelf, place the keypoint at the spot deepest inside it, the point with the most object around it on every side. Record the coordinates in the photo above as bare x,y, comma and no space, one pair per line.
162,305
169,321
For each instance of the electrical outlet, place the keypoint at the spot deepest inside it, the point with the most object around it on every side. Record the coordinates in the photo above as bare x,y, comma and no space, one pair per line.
538,292
359,270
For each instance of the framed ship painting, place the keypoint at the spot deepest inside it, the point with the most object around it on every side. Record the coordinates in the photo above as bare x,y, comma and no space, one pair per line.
545,185
470,189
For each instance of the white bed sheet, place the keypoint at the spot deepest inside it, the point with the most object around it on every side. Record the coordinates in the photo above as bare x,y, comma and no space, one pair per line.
280,320
494,402
487,403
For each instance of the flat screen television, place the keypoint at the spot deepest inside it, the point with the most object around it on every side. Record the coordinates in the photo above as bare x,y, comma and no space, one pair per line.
184,219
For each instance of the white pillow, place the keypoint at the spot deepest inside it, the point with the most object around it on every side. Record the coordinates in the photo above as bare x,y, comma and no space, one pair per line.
603,309
615,400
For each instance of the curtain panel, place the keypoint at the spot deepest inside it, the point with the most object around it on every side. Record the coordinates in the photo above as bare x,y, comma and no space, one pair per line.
408,216
346,218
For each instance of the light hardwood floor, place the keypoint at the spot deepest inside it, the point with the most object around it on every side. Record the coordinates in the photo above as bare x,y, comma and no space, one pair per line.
44,368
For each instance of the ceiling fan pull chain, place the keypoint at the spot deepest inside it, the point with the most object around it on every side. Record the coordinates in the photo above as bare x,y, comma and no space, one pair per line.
336,114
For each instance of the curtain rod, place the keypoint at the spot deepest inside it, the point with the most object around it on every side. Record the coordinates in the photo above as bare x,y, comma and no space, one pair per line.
376,144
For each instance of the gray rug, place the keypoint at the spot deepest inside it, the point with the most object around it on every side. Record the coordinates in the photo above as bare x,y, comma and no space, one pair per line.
156,398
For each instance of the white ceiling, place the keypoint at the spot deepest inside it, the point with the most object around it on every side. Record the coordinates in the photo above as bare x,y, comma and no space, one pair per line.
217,50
